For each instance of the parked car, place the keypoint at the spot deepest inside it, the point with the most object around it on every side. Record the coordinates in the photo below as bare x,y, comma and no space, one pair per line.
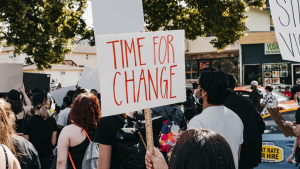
283,101
276,147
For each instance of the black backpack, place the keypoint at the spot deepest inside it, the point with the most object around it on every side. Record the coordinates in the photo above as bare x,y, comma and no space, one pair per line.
131,141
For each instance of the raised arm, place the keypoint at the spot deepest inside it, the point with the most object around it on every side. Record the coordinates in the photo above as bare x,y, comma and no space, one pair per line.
27,108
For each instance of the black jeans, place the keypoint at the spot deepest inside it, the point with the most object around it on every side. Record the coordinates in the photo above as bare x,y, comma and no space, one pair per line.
46,163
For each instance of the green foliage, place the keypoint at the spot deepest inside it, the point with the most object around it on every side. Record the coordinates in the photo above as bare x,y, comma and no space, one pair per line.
46,29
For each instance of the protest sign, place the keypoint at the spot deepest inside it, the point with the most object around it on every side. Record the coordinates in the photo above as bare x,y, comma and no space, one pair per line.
278,120
141,70
117,16
58,95
90,79
36,80
286,19
11,76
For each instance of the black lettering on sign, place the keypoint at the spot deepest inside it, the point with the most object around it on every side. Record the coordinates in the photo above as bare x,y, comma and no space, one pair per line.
268,150
288,16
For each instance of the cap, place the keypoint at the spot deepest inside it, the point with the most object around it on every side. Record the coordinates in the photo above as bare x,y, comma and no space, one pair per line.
254,83
13,95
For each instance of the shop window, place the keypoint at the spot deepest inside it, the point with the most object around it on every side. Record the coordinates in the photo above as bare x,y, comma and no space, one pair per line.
191,72
278,75
252,72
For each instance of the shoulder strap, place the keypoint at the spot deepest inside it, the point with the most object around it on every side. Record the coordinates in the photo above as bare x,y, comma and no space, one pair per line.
6,159
86,134
71,160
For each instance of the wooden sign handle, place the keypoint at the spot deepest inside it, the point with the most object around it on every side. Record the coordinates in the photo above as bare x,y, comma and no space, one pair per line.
149,130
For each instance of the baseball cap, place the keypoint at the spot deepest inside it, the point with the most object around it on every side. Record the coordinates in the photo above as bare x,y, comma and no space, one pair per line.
13,95
254,83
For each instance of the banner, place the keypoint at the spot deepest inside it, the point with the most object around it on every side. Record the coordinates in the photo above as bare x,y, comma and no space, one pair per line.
117,16
141,70
36,80
11,76
58,95
90,79
286,19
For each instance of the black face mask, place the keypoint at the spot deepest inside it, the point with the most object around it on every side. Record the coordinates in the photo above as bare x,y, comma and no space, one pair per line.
252,87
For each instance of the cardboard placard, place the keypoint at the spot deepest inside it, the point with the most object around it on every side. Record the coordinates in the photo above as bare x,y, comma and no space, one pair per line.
117,16
285,15
36,80
278,120
90,79
141,70
58,95
11,76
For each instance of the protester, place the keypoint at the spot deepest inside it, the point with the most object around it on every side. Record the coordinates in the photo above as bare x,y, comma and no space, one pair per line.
8,159
25,151
269,100
64,114
213,93
95,92
40,130
84,116
254,127
105,135
189,106
56,113
21,111
58,86
287,91
195,149
256,96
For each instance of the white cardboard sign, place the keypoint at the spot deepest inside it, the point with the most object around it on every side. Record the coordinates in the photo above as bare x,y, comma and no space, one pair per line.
286,19
11,76
89,79
141,70
117,16
58,95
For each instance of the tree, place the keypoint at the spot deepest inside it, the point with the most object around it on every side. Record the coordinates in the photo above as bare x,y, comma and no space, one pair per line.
47,29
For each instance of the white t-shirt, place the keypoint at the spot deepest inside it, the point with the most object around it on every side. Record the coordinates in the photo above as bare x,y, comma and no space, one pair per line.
223,121
63,117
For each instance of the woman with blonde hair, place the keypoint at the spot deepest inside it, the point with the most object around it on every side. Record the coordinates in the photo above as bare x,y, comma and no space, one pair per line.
25,151
41,129
8,158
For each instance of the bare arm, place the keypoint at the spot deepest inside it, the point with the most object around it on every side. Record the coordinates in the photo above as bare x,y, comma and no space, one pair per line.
27,108
26,137
62,150
104,156
53,138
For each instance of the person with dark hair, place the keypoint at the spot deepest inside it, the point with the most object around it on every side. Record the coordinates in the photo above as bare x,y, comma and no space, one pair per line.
58,86
41,130
269,100
21,111
189,106
256,96
214,91
287,91
23,149
64,114
195,149
254,127
75,138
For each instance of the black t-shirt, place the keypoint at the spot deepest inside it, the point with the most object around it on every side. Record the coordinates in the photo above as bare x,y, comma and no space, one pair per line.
297,116
40,134
106,132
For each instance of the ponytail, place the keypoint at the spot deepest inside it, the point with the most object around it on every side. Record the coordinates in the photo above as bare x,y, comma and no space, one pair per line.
43,111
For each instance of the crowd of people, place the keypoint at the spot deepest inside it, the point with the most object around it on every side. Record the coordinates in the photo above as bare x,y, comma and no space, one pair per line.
215,129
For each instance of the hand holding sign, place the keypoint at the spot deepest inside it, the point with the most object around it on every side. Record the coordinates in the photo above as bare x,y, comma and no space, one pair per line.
287,131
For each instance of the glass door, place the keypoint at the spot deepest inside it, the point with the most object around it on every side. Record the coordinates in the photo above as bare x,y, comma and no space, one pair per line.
296,74
252,72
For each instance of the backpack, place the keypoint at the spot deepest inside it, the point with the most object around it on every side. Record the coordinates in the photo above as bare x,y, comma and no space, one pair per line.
131,141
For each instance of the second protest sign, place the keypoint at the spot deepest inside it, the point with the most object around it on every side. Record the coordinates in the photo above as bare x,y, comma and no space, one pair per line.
140,70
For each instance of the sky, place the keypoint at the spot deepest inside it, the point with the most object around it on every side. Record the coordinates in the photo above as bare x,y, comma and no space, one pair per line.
88,15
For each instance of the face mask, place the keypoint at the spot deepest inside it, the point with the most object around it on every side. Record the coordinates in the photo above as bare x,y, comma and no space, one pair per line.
198,100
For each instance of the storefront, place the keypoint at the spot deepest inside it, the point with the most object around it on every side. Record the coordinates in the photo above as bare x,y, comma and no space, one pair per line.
228,62
263,63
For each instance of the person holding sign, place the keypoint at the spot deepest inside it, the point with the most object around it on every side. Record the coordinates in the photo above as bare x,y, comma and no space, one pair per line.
214,91
195,149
